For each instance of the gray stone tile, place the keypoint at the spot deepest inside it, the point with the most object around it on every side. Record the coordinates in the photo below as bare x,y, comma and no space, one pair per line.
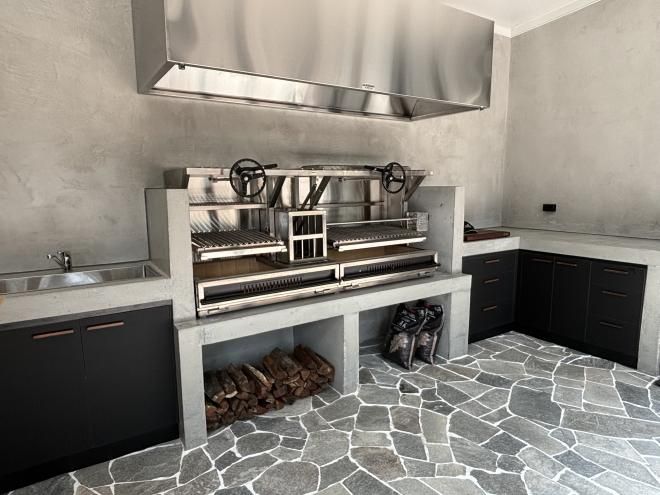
342,408
454,486
500,483
254,443
473,429
618,445
419,380
408,388
226,460
150,487
621,465
336,472
383,378
373,418
503,443
625,377
593,362
247,469
494,399
474,408
335,490
411,400
206,484
325,446
419,469
492,380
625,486
537,383
237,490
534,363
434,427
412,487
313,422
450,469
450,394
639,412
492,345
462,370
602,395
602,424
599,376
540,462
438,406
496,416
365,376
646,447
580,485
513,355
565,436
405,419
595,408
369,439
409,445
534,404
440,374
540,485
94,476
241,428
473,455
159,462
579,464
346,424
510,464
635,395
565,395
472,388
383,463
293,443
362,483
284,454
570,372
567,382
59,485
194,463
375,394
533,434
288,478
283,426
501,367
439,453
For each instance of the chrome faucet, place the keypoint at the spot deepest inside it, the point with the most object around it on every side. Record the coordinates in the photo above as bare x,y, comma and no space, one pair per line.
62,258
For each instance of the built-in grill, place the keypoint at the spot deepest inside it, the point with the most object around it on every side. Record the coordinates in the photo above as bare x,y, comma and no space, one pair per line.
262,234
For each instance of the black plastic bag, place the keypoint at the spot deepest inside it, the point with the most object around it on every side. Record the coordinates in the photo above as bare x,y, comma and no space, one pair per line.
429,334
402,337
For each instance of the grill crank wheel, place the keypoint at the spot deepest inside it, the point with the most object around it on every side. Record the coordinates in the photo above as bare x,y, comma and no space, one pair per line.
245,172
393,177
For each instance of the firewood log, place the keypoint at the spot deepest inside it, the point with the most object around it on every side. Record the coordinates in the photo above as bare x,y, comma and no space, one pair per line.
258,376
241,381
227,384
272,366
285,363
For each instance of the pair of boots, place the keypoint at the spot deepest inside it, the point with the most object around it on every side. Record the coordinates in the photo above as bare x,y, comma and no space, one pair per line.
414,332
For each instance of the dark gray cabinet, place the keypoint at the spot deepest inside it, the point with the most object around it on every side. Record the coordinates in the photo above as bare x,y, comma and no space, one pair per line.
85,390
570,297
493,292
535,291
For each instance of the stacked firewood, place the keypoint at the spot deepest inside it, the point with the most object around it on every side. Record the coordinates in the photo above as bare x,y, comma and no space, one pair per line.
242,392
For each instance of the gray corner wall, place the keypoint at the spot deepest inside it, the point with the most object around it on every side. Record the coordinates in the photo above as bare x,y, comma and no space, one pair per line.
584,122
78,145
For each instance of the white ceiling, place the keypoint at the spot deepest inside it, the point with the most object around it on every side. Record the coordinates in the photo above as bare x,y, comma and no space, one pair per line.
514,17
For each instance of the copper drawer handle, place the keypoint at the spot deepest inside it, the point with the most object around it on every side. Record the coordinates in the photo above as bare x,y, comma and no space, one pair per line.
541,260
104,326
615,271
491,281
493,261
611,325
48,335
489,308
615,294
570,265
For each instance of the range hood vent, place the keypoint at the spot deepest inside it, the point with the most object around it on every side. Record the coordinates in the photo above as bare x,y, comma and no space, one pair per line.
397,59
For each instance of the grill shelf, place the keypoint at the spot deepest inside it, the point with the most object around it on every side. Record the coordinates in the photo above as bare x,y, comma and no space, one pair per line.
232,243
367,236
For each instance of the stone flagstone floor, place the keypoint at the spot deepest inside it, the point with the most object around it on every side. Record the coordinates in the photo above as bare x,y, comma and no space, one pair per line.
516,416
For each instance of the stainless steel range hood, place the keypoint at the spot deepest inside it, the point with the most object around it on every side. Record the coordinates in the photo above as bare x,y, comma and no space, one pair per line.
398,59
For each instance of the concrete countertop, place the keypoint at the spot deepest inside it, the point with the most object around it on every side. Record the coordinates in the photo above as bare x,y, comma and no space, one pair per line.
621,249
57,304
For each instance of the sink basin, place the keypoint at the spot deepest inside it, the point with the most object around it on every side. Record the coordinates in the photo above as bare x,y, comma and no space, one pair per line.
14,284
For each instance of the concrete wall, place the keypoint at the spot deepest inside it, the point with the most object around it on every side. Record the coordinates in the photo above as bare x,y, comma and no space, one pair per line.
584,122
78,144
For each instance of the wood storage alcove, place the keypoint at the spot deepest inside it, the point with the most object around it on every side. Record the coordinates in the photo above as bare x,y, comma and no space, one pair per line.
241,392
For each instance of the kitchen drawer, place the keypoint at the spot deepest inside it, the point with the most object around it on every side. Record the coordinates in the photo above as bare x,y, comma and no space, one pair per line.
619,305
488,316
613,335
494,288
618,277
490,264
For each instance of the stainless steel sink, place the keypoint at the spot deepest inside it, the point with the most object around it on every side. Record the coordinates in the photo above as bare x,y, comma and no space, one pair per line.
13,284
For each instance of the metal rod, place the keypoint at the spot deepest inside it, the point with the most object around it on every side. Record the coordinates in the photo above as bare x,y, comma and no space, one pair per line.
387,220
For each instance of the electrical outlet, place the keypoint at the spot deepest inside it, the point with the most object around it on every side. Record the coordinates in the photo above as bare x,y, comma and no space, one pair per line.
550,207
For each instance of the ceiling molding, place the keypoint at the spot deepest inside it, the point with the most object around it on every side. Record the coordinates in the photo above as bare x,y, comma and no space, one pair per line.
550,17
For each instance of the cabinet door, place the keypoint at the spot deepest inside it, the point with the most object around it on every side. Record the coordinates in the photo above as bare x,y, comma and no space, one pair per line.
41,385
131,380
570,298
535,291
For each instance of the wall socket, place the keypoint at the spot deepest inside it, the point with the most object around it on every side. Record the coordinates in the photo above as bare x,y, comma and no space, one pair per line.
550,207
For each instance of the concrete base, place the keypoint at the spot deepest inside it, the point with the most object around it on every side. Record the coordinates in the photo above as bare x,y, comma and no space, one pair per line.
329,325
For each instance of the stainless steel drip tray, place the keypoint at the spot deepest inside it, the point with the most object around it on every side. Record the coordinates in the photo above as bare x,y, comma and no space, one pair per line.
366,236
252,281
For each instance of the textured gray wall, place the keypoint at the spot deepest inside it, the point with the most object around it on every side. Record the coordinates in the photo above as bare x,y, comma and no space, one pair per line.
78,144
584,122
